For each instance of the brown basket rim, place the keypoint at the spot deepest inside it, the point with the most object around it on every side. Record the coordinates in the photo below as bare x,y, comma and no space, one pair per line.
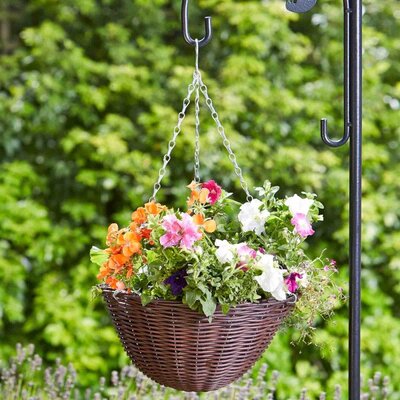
291,300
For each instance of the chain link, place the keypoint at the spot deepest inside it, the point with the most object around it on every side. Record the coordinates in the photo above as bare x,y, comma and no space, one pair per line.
225,141
172,142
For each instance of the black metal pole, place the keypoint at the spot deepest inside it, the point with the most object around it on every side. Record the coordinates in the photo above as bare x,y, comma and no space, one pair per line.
355,197
352,131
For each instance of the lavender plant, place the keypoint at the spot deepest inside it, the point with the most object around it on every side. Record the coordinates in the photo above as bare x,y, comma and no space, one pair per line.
24,377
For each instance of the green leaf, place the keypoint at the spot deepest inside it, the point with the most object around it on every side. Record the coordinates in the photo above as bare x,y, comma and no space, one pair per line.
98,256
146,298
191,297
208,305
96,292
225,308
151,256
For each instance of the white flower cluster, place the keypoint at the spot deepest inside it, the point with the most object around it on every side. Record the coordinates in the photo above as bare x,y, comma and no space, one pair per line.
271,279
252,218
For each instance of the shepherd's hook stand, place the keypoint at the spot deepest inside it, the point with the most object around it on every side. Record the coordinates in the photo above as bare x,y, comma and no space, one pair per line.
353,132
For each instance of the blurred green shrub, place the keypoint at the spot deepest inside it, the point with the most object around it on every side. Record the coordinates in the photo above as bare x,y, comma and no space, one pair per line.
89,92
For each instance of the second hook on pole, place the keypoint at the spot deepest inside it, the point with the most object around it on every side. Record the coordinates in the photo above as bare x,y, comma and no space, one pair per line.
185,27
346,87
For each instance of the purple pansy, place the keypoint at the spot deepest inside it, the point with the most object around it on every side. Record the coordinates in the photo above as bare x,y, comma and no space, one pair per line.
177,282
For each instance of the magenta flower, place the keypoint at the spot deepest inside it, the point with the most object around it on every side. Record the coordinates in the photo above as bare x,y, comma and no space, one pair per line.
302,225
291,282
214,189
182,232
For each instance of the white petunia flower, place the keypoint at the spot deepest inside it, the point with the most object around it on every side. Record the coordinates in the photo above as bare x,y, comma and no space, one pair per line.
304,281
252,218
297,205
225,251
271,280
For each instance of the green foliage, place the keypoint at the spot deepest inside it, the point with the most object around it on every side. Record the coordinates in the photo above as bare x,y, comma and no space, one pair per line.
88,97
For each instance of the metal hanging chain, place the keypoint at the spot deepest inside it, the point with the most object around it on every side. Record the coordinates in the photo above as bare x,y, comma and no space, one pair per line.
172,142
197,136
197,117
198,86
225,141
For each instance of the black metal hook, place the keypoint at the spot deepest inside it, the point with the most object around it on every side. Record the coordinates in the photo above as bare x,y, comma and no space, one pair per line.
346,87
185,27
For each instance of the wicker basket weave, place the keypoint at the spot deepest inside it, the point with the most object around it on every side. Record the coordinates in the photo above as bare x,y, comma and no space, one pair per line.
180,348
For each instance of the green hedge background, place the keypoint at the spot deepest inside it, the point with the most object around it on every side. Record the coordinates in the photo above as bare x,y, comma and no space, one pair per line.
89,93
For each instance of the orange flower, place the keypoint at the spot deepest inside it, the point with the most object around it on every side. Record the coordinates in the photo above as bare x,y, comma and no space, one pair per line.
203,196
194,196
139,216
129,271
116,262
112,282
154,208
130,249
120,238
200,196
130,243
104,272
209,226
193,186
198,219
112,233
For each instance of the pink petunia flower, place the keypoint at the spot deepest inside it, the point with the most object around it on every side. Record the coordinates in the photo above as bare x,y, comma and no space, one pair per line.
245,254
182,232
302,225
215,191
291,282
245,251
172,225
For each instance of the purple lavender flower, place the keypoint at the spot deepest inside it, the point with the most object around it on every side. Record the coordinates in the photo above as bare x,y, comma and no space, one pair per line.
177,282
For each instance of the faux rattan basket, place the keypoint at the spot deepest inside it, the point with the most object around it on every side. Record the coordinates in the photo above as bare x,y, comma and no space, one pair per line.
180,348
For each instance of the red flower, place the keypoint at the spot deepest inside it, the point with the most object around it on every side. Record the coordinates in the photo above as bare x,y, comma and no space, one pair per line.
214,191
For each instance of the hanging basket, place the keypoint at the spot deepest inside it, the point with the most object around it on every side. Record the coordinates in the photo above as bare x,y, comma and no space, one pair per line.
180,348
173,344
